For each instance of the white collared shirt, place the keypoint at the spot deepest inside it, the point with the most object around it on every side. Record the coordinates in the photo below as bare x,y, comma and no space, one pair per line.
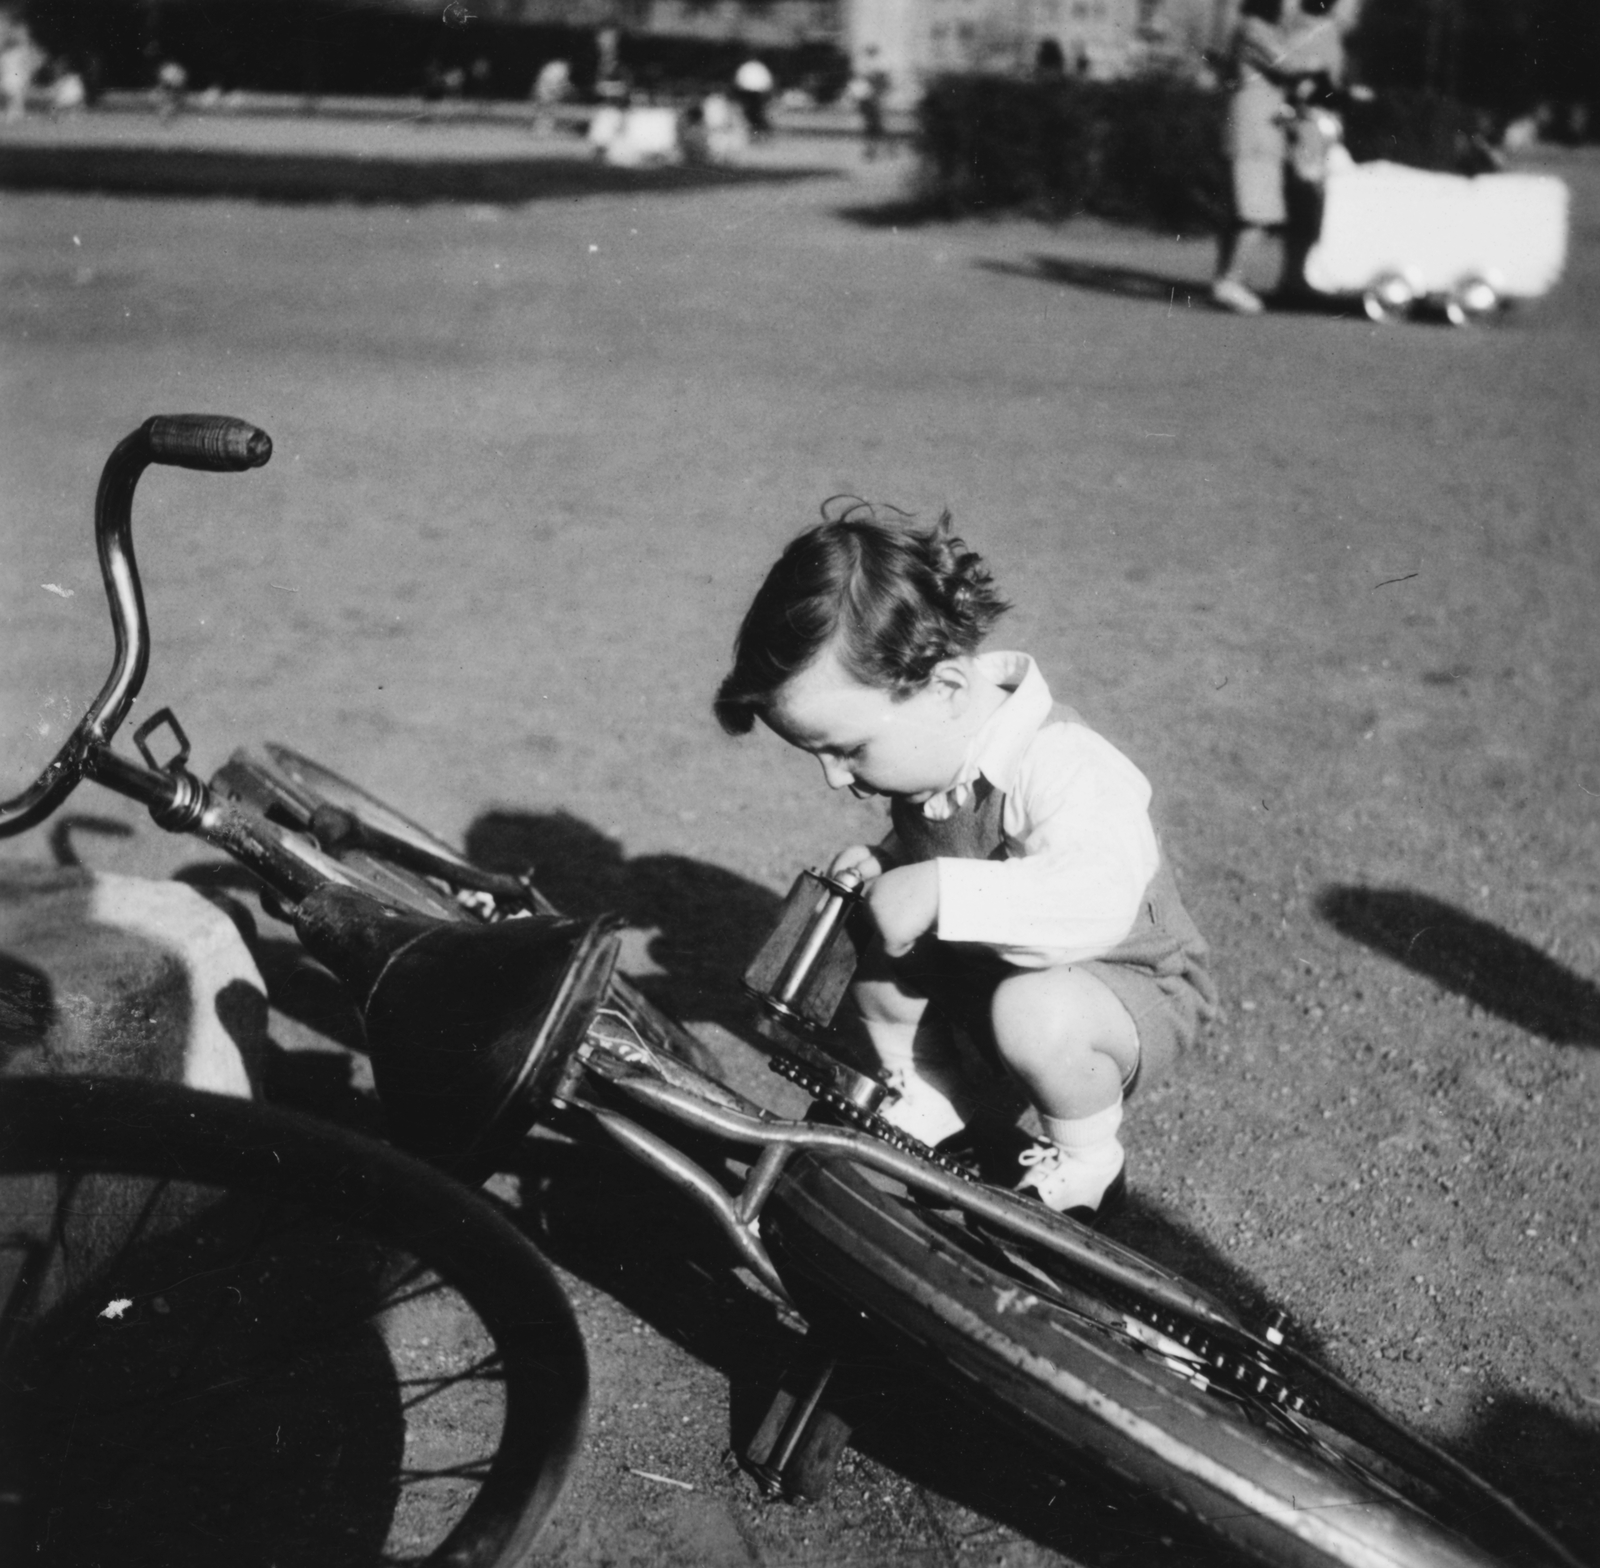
1077,827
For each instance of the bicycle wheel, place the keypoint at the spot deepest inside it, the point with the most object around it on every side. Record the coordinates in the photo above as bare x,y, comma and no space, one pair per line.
1332,1484
252,1338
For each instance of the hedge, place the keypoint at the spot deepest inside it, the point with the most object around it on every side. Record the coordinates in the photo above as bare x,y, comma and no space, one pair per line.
1145,150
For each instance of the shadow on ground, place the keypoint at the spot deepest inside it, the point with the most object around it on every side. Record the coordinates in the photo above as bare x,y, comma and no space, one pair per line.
1103,278
1498,972
704,923
1162,288
308,178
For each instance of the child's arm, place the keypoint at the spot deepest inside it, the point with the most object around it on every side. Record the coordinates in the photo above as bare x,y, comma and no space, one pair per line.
904,904
1083,852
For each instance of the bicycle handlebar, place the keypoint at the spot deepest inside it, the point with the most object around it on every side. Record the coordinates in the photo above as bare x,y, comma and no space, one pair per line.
213,443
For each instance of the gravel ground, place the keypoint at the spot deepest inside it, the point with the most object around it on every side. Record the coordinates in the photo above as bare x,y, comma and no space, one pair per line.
1332,586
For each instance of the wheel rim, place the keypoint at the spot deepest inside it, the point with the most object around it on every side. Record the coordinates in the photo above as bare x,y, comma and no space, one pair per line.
1472,300
1388,300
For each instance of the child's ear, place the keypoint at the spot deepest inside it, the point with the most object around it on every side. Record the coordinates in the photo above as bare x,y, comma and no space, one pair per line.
952,683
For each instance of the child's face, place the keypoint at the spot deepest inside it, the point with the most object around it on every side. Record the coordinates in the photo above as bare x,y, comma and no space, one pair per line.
865,739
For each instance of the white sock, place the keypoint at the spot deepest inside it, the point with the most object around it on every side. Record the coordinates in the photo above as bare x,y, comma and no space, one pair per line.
895,1043
1090,1140
914,1048
929,1079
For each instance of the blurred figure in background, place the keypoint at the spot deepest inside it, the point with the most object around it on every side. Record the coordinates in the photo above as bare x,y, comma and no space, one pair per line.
172,82
18,62
68,94
612,82
753,87
868,89
551,88
1276,45
722,130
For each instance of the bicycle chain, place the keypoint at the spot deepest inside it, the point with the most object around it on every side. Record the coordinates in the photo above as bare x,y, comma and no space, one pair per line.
1244,1375
1247,1375
816,1084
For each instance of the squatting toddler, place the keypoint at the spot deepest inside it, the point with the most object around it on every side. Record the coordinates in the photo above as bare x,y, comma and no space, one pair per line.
1021,890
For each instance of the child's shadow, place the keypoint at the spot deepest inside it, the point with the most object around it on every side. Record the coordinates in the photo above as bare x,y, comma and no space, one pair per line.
703,923
1500,972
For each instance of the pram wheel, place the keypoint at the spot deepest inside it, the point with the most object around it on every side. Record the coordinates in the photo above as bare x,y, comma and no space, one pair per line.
1389,299
1471,300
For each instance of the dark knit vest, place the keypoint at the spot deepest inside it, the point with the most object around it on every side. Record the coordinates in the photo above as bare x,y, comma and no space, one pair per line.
1164,941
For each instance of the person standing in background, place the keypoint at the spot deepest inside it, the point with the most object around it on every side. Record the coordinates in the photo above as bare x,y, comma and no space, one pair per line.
868,90
1276,44
753,87
18,62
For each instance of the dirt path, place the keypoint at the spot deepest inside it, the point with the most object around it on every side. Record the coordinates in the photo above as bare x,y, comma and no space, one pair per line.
1331,586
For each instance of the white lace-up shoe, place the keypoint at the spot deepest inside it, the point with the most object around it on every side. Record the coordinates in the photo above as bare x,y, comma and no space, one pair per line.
928,1103
1066,1181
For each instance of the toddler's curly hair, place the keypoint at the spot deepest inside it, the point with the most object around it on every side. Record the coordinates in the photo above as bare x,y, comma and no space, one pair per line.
892,598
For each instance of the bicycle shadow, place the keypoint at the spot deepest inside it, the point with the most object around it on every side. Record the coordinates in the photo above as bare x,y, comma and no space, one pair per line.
1499,972
1547,1461
703,923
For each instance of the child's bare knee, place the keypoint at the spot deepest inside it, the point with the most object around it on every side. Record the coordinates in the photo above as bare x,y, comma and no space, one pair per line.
1053,1018
1029,1022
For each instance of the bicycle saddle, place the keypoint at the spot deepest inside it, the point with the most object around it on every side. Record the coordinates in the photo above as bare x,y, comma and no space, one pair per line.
467,1025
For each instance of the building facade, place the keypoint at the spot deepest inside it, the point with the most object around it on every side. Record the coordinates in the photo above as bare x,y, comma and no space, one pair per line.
916,39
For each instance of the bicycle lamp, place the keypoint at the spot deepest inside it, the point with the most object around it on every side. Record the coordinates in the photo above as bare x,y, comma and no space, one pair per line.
805,966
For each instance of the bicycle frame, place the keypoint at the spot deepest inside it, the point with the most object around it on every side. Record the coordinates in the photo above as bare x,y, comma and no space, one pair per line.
693,1102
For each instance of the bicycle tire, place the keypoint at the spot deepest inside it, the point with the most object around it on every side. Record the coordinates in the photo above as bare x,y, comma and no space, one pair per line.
189,1211
1083,1383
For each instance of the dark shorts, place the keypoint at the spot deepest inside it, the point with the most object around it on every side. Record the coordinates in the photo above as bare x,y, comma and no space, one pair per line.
960,981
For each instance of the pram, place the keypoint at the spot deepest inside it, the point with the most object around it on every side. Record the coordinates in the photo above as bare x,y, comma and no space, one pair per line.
1400,238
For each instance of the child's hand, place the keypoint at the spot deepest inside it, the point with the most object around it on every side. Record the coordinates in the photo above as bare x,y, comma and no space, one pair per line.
859,859
905,904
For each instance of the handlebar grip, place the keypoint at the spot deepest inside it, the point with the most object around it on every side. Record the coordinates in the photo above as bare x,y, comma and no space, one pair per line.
213,442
